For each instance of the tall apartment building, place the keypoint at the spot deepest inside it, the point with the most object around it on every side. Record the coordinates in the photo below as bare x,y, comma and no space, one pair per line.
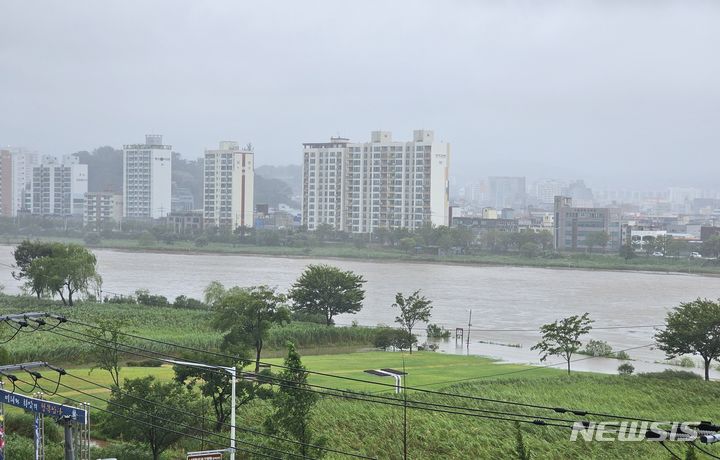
228,185
23,162
147,179
360,187
573,225
6,183
58,189
102,209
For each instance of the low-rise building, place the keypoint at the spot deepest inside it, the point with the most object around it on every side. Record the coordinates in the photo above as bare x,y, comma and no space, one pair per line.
574,225
185,222
103,210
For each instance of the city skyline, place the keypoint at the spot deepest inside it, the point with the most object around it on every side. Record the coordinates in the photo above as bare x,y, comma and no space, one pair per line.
546,92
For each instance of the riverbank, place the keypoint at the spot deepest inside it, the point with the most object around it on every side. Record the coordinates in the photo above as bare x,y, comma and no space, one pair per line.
582,261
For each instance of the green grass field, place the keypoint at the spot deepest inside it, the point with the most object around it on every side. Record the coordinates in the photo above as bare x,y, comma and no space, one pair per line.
377,430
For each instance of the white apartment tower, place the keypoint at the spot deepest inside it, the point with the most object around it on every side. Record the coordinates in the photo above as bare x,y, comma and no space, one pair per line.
359,187
147,179
228,187
23,162
59,188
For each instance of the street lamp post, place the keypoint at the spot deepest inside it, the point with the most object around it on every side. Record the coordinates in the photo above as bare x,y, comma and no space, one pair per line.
233,375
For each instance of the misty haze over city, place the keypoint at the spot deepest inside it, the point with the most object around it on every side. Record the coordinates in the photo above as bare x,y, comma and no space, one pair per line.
620,94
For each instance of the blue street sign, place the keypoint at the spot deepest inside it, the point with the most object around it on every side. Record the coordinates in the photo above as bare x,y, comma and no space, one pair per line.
40,406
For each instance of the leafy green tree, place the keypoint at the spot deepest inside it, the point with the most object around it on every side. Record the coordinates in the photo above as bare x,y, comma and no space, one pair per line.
25,253
648,245
293,405
413,308
562,338
106,357
166,411
327,290
247,315
627,251
217,386
711,247
599,239
69,268
692,328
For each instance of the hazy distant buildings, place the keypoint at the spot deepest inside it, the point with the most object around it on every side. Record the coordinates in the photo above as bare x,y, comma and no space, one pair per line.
547,189
59,188
580,193
6,184
102,210
360,187
573,225
507,192
229,181
147,179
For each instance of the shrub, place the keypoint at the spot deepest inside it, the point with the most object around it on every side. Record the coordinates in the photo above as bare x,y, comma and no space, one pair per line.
121,450
437,332
201,242
622,355
686,361
23,424
182,301
598,348
396,338
626,369
145,298
670,374
120,299
92,239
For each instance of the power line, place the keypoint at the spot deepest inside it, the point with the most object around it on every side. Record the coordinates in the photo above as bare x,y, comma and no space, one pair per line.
157,426
416,388
247,430
344,393
210,433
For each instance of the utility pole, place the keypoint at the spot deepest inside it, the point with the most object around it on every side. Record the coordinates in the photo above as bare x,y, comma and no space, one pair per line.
66,422
468,336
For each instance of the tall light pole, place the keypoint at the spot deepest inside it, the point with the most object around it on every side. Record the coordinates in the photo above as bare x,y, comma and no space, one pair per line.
233,375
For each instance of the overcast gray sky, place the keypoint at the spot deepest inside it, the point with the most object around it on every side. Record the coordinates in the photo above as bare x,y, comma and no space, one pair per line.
612,91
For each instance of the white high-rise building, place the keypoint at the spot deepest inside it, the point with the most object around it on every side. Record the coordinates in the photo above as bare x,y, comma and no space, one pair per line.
147,179
59,188
360,187
23,162
228,185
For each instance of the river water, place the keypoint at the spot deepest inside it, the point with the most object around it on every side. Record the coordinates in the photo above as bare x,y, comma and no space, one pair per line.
500,297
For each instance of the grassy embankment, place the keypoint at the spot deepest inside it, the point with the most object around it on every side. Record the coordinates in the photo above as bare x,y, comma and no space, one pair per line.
377,430
189,328
379,253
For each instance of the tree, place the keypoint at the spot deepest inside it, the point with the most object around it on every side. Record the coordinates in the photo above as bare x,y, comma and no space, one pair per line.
711,247
627,251
692,328
106,357
323,289
413,308
157,413
247,315
215,385
68,267
293,405
25,253
600,239
562,338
